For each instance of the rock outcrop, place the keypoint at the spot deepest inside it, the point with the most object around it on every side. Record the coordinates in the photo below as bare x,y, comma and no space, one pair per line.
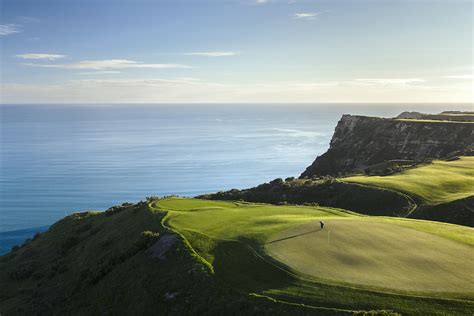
360,142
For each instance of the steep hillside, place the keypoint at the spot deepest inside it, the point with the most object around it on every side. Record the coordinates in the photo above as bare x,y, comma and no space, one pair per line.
178,256
333,193
360,142
459,212
121,262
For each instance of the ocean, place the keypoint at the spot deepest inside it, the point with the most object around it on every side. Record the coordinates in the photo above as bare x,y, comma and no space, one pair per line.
60,159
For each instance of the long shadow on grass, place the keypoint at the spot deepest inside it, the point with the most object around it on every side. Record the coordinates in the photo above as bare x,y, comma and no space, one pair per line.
238,264
294,236
242,265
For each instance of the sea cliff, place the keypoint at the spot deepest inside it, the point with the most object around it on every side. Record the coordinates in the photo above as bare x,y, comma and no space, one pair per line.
360,142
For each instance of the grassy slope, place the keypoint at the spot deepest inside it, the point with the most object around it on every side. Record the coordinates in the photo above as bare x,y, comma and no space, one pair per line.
99,264
438,182
356,197
231,237
459,212
434,121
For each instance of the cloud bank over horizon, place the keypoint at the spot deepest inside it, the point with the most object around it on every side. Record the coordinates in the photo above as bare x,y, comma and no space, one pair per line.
307,52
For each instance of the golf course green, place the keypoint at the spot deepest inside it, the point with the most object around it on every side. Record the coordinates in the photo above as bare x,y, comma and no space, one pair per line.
281,252
376,253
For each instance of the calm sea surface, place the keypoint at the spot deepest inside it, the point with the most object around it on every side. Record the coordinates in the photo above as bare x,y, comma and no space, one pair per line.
59,159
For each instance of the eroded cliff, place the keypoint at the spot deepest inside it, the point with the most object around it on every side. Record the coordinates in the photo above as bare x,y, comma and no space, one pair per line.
360,142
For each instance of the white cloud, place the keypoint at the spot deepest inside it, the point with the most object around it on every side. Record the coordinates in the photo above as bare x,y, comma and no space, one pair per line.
103,72
307,15
390,81
468,77
156,82
7,29
213,54
40,56
108,64
261,1
193,90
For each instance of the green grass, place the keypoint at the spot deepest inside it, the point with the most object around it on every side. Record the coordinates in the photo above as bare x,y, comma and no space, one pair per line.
377,254
438,182
435,121
366,258
99,264
233,221
222,262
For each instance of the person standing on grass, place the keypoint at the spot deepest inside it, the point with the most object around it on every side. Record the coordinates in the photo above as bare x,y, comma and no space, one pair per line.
321,223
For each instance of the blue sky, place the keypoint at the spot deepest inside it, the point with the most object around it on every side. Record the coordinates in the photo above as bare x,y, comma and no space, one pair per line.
236,51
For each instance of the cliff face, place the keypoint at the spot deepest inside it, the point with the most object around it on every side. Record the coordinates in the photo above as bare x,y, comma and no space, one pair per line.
359,142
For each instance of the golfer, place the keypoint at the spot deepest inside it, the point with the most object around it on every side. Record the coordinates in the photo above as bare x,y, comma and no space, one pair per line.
322,224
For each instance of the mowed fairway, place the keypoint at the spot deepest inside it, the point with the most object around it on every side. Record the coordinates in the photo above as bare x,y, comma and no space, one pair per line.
377,254
234,220
438,182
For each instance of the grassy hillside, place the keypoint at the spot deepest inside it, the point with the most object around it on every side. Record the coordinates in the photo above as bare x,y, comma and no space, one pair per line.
437,182
326,192
123,261
279,251
459,212
190,256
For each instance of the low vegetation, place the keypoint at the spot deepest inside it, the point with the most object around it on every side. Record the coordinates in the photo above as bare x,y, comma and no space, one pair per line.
325,192
441,190
459,212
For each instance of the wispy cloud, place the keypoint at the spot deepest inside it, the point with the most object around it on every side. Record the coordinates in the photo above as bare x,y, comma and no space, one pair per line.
261,1
183,90
40,56
213,54
27,19
103,72
109,64
307,15
7,29
468,77
390,81
139,81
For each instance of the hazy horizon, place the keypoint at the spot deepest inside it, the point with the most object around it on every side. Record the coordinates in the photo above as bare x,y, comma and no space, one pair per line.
243,51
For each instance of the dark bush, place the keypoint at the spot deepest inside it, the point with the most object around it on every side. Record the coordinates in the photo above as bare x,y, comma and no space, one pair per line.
277,181
69,243
24,270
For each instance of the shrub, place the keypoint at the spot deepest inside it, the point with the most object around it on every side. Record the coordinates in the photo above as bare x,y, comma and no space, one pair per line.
23,270
69,243
277,181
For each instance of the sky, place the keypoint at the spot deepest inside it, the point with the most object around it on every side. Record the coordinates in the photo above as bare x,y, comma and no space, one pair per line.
242,51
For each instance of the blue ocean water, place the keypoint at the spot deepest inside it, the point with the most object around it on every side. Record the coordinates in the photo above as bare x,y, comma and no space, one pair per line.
59,159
